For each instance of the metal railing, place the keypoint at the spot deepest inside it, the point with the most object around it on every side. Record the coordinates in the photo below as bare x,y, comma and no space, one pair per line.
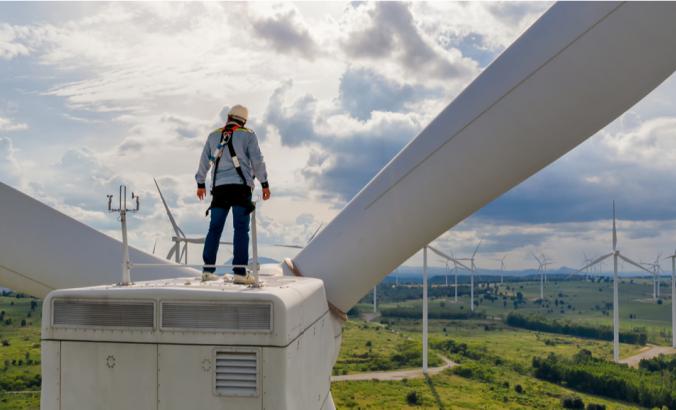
128,265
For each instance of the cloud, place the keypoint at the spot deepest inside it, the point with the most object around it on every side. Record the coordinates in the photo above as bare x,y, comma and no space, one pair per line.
285,31
7,124
363,90
391,33
10,47
10,171
346,153
633,165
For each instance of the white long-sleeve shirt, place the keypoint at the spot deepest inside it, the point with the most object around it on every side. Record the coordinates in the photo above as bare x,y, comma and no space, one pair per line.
248,152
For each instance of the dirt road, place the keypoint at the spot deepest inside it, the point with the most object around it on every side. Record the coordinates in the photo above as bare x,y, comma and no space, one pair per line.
648,352
395,374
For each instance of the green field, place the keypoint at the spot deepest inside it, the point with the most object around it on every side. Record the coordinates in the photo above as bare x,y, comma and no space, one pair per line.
19,353
498,376
580,301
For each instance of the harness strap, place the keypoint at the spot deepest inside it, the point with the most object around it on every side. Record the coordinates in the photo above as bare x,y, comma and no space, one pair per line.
235,160
334,309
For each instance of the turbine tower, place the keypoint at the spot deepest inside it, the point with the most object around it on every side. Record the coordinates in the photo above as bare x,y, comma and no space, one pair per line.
616,255
673,299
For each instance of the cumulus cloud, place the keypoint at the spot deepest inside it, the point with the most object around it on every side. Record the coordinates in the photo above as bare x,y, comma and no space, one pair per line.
346,153
363,90
286,32
6,124
634,166
10,44
392,33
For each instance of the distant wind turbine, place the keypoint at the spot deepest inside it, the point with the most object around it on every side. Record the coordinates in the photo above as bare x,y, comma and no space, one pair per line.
456,262
616,255
543,262
502,268
472,271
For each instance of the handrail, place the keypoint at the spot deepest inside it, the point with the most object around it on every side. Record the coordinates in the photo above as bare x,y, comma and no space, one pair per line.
254,266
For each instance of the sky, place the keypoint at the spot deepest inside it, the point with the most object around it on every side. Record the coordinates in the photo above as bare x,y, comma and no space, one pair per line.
94,95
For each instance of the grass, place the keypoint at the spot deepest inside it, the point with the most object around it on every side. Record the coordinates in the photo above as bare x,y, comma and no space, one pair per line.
449,391
19,352
375,346
583,302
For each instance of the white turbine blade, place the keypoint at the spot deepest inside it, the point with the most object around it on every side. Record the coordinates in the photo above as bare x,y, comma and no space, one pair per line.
154,246
614,229
171,252
536,258
443,255
594,262
184,253
174,225
624,258
477,248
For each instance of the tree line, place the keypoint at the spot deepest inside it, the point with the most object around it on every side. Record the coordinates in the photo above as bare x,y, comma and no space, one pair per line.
637,336
591,375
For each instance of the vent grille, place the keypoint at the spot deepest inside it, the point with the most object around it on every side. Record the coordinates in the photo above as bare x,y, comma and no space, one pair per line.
103,313
236,374
217,316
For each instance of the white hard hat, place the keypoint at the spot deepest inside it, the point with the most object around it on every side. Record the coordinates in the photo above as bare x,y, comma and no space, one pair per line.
239,112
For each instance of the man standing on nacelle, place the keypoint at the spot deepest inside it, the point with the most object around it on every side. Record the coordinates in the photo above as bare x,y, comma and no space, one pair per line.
237,161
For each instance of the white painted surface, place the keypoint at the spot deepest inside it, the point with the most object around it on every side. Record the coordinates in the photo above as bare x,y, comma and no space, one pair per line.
175,369
108,376
576,69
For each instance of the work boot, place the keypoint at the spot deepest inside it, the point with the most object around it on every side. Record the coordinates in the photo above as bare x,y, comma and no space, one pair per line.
208,276
244,279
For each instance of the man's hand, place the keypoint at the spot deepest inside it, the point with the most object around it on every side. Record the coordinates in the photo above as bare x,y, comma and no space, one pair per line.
266,194
202,193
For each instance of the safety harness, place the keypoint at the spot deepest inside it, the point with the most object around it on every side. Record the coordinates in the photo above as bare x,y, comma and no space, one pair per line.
226,140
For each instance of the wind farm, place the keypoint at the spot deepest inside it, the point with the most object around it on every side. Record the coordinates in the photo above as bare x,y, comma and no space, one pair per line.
361,314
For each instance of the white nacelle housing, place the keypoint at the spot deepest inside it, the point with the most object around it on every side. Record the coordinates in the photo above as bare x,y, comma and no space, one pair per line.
181,344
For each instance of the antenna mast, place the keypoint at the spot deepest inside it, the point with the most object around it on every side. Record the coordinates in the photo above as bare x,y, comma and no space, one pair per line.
122,210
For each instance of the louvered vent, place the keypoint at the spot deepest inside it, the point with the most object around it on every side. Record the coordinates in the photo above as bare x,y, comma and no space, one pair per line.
92,313
236,374
217,316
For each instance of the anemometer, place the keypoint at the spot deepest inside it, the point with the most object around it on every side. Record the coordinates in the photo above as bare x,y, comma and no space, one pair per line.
122,210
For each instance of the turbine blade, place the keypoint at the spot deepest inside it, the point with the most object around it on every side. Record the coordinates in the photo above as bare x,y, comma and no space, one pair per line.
443,255
629,261
594,262
477,248
536,258
174,225
171,252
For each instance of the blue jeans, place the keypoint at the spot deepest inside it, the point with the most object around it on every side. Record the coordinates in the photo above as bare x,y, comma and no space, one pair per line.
241,238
